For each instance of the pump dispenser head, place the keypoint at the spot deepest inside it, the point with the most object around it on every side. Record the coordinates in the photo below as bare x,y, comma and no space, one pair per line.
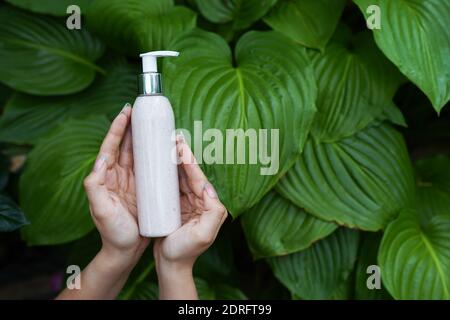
150,82
149,63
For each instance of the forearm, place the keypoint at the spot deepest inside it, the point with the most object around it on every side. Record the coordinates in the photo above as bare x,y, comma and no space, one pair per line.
103,278
176,282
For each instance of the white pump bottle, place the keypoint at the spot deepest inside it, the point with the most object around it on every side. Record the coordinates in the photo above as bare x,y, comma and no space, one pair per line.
155,167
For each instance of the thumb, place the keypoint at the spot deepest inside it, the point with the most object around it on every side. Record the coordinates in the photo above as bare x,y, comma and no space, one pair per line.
95,187
215,212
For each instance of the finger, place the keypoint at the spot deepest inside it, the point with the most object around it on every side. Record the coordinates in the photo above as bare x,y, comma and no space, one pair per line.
196,179
126,150
185,204
95,186
111,143
215,212
184,186
185,217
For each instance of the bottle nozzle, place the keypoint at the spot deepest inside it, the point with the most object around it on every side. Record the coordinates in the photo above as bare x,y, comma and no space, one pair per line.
150,81
149,63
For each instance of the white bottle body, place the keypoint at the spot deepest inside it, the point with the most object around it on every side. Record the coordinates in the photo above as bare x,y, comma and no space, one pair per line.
155,167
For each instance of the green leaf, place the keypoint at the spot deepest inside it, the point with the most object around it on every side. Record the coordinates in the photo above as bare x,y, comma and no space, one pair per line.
433,187
394,115
27,118
356,85
344,290
83,250
4,170
308,22
270,87
54,7
51,190
217,263
415,36
317,272
367,256
140,285
137,26
240,13
214,291
5,93
11,216
39,55
415,259
144,291
275,227
361,181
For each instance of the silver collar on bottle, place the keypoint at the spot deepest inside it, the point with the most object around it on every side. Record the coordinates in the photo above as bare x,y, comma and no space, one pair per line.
150,84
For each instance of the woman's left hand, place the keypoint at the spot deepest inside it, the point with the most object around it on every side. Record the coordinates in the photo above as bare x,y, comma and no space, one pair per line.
112,201
111,193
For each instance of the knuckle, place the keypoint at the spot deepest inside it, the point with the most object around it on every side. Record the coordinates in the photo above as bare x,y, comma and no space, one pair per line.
223,209
198,181
88,182
224,213
220,208
205,238
97,215
100,215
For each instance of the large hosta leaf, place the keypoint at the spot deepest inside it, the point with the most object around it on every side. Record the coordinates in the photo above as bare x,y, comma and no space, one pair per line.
136,26
319,271
415,36
240,13
275,227
26,118
433,186
55,7
355,85
361,181
309,22
217,263
344,291
5,93
39,55
415,259
11,216
51,190
269,87
367,256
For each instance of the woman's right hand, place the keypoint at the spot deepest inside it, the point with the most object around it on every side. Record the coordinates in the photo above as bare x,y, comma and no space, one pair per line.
202,215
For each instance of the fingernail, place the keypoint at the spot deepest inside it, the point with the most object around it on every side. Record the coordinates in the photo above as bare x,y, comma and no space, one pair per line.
100,162
180,137
127,105
210,190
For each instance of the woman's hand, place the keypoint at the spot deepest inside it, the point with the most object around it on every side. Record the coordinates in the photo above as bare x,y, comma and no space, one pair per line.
112,201
111,193
202,216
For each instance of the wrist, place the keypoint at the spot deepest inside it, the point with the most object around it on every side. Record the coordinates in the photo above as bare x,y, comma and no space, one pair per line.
173,268
171,277
118,261
123,257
